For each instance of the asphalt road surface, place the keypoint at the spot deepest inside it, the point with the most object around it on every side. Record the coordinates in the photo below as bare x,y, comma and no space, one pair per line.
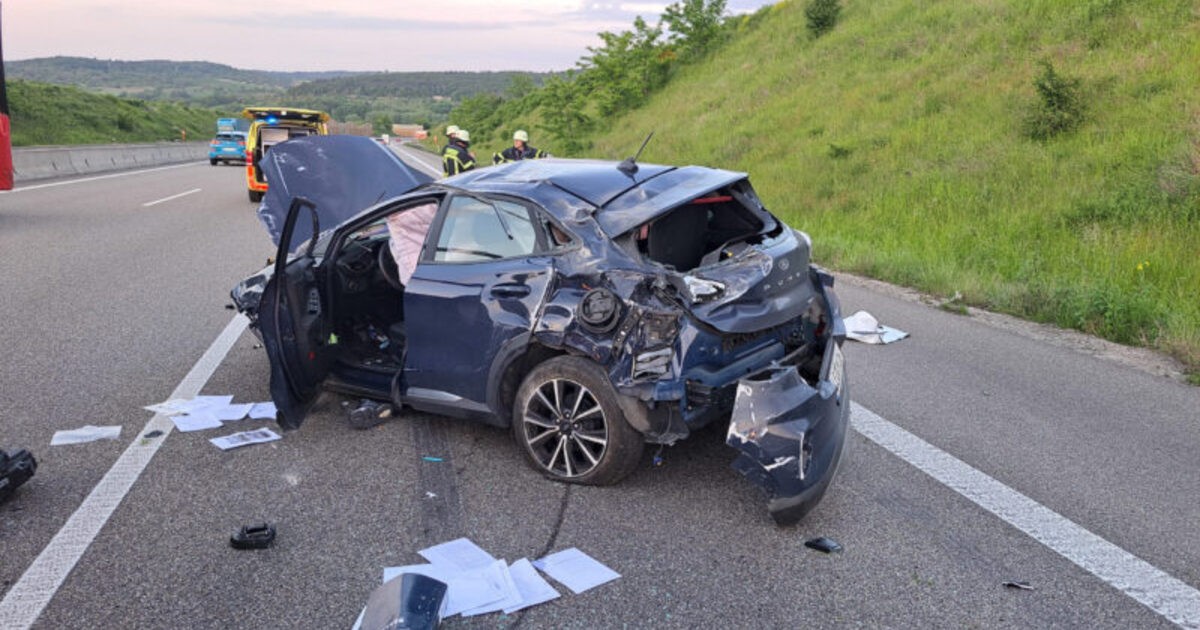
983,453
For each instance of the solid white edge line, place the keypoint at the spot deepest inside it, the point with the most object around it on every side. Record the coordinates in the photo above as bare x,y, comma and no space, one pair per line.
1145,583
27,598
421,163
98,177
164,199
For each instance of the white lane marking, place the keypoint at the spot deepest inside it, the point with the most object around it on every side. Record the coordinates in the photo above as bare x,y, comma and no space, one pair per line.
158,201
92,179
1150,586
419,162
27,598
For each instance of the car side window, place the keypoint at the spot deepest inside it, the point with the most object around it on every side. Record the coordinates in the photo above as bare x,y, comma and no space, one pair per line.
476,230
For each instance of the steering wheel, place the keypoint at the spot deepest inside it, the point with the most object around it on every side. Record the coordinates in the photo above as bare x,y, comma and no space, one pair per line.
387,266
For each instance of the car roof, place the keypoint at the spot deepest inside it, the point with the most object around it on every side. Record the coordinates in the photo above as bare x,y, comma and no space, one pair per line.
620,200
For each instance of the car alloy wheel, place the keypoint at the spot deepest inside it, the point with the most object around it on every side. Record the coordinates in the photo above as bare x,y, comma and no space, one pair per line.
568,420
565,428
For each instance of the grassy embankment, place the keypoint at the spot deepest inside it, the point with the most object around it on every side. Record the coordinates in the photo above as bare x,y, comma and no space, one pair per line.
897,140
44,114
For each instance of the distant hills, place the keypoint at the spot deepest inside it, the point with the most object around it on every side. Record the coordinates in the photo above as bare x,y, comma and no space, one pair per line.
417,97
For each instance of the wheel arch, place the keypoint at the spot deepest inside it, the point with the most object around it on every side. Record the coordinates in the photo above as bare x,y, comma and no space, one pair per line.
512,363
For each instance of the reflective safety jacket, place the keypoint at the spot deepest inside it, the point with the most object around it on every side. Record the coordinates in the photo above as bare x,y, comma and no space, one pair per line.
456,158
512,154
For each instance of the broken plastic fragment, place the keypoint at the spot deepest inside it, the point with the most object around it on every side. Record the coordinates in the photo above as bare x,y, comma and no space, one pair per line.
410,601
1024,586
153,434
15,469
258,536
369,414
433,459
827,545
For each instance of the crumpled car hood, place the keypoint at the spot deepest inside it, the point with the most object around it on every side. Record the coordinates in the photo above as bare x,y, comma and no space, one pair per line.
342,175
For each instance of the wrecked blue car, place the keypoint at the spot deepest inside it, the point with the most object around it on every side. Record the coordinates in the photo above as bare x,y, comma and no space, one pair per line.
590,307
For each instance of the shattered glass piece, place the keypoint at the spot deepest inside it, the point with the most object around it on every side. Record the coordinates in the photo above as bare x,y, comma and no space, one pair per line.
411,601
826,545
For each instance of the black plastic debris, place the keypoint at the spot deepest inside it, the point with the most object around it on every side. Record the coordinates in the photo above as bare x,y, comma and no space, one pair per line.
823,544
258,536
408,602
15,469
153,434
1024,586
230,306
369,413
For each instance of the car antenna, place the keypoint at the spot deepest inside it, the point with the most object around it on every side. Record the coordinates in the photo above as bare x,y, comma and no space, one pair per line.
629,166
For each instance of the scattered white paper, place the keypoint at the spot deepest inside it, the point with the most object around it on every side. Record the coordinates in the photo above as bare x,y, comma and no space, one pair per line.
533,588
262,411
230,412
244,438
196,422
862,326
168,407
511,597
575,570
84,434
458,554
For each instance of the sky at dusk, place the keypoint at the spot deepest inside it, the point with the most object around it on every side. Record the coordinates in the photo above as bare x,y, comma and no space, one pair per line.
535,35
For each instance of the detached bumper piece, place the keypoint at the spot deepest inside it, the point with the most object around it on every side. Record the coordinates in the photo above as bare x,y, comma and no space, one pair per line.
789,436
15,469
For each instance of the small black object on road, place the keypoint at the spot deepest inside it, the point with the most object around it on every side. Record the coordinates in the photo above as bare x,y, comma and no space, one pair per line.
15,469
1024,586
826,545
259,536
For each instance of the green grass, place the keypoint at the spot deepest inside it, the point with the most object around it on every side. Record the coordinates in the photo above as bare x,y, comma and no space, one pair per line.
898,141
44,114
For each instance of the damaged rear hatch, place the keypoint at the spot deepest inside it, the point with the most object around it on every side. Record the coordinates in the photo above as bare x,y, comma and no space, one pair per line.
762,325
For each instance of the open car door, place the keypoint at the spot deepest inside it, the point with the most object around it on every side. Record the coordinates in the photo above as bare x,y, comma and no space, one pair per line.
293,323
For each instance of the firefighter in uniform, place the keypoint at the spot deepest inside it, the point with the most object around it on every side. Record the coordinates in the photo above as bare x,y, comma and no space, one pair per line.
520,150
456,157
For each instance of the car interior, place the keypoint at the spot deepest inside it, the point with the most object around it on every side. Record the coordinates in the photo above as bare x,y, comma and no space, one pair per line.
706,230
375,262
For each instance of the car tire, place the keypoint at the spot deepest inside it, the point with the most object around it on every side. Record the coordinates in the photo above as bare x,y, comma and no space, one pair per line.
255,196
212,161
595,447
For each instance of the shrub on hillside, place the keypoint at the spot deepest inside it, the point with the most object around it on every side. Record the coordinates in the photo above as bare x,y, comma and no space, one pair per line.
822,16
1060,106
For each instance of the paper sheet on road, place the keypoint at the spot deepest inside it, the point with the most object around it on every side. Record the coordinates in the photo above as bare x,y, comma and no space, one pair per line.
575,570
511,596
195,422
230,411
84,434
533,588
244,438
262,411
862,326
458,554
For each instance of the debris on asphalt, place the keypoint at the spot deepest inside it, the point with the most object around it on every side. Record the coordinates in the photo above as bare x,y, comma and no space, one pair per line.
15,469
1024,586
477,583
862,326
575,570
85,434
153,434
430,495
210,412
245,438
229,306
823,544
435,460
410,601
657,461
257,536
369,414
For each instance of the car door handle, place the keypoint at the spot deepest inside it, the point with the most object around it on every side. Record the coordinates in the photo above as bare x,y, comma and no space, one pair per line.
510,290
